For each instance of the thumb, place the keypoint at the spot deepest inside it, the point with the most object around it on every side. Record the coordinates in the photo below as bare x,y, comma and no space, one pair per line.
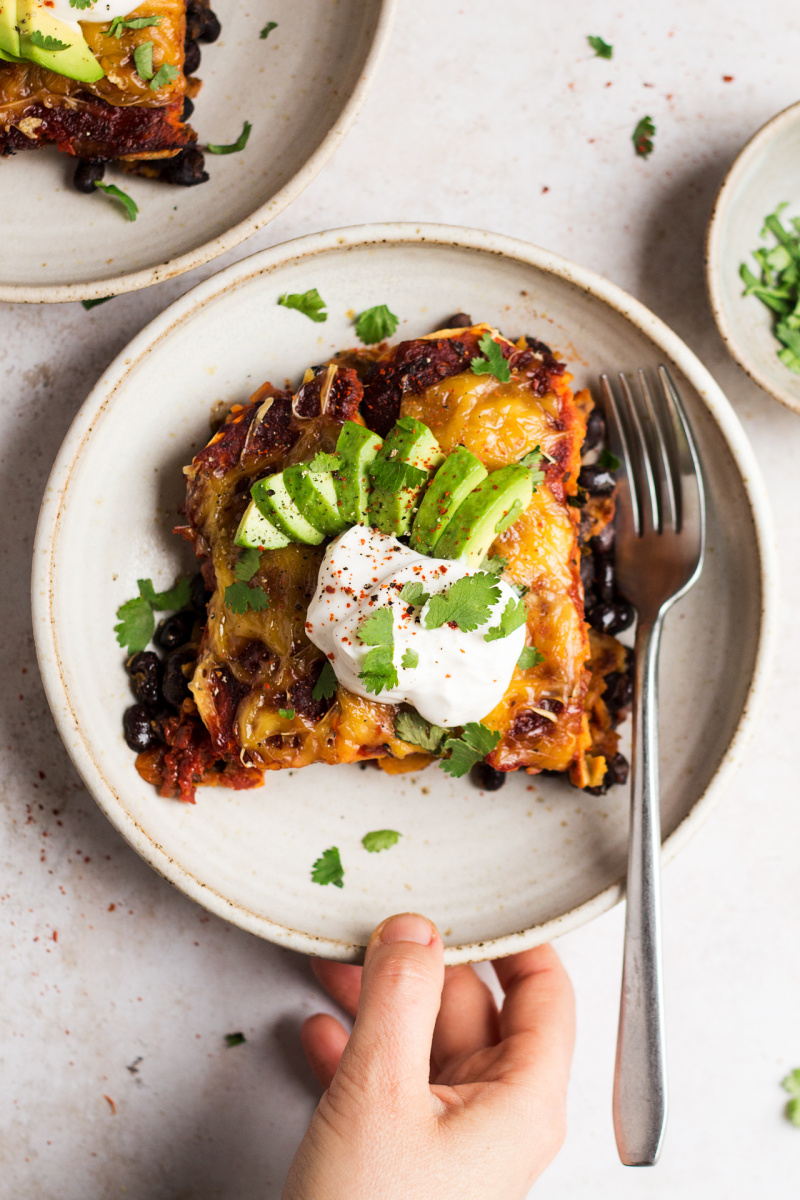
401,988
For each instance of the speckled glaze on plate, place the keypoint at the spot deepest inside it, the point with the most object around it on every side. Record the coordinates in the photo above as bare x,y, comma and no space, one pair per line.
301,88
497,871
765,174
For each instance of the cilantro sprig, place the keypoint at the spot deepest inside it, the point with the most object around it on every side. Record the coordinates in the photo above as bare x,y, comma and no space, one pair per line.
470,748
513,615
234,1039
46,42
378,672
81,3
413,728
493,363
119,24
309,303
234,147
791,1084
778,284
324,462
326,685
328,868
380,839
394,474
376,324
410,659
414,593
468,602
530,657
642,137
164,75
286,713
268,28
127,202
601,48
242,595
136,618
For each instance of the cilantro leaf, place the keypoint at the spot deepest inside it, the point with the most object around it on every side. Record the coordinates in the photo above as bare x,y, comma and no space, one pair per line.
494,363
234,147
578,500
394,474
514,614
413,728
171,600
414,593
495,565
324,462
793,1110
268,28
533,461
234,1039
608,461
530,657
143,60
792,1082
601,48
119,23
380,839
376,324
164,75
326,685
81,3
642,137
309,303
468,602
87,304
247,565
45,42
410,659
136,624
379,673
240,596
286,713
328,868
472,747
377,629
127,202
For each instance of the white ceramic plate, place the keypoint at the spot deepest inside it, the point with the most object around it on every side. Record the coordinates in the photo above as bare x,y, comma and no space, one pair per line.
301,88
497,871
766,173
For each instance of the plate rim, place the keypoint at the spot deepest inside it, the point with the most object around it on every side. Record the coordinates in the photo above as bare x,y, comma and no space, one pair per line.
712,255
131,281
265,262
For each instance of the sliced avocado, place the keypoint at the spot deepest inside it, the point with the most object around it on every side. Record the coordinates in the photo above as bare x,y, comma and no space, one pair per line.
274,502
392,503
485,513
75,60
9,34
356,447
315,495
257,532
460,472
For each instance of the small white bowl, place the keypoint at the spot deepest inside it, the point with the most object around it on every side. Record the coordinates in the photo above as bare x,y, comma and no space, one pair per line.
766,174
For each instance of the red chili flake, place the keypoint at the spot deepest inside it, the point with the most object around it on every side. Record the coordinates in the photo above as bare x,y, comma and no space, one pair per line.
111,1102
112,908
727,79
330,589
55,935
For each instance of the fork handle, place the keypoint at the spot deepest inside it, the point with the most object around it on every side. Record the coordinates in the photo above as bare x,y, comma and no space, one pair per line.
640,1079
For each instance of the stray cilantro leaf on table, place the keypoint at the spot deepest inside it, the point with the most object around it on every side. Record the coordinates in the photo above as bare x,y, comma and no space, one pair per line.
608,461
468,602
410,659
309,303
792,1085
326,685
514,614
164,75
642,137
324,462
136,621
234,1039
87,304
601,48
393,474
493,363
234,147
241,596
328,868
414,593
118,24
378,672
376,324
778,285
127,202
530,657
286,713
45,42
380,839
268,28
413,728
472,747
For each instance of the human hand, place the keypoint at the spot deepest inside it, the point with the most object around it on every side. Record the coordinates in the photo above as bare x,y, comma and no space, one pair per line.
435,1095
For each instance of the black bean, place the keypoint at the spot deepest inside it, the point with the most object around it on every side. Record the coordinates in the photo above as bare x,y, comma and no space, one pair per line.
604,576
176,684
587,572
212,28
595,430
188,108
144,670
196,17
199,592
537,346
137,723
175,630
88,171
191,57
597,480
619,692
617,771
611,616
487,777
459,320
186,169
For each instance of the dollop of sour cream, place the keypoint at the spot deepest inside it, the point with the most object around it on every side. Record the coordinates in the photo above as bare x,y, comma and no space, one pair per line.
459,676
101,10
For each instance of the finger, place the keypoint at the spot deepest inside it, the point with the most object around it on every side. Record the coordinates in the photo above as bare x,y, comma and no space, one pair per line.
467,1018
323,1039
538,1011
341,981
401,986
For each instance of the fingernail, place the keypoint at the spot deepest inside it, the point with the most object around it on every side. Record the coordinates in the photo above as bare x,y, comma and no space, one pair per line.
407,927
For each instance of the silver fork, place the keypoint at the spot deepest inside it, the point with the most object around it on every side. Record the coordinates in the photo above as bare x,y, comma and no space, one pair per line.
660,543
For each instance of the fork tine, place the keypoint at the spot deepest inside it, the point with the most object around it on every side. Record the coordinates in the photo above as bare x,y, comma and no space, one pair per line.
691,506
650,514
659,458
618,438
